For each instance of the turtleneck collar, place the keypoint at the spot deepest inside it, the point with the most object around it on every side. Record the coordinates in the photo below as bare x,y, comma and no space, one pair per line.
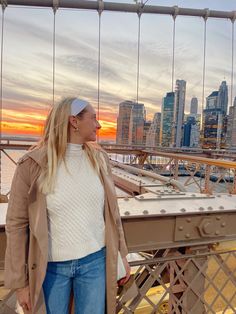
74,149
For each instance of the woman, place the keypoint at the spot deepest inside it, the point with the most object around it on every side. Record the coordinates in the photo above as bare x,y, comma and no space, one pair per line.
63,226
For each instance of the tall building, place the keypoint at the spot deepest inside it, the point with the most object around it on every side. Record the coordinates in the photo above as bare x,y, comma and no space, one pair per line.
212,100
153,135
191,131
214,122
167,116
231,127
146,128
223,98
194,105
136,125
123,122
179,105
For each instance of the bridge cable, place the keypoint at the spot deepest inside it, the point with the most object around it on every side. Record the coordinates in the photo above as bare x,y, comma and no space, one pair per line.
100,10
139,12
232,61
55,8
4,5
204,67
173,47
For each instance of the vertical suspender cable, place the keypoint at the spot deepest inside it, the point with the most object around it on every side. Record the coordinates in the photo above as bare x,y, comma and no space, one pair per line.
100,9
173,57
4,5
173,48
232,63
55,8
138,60
204,67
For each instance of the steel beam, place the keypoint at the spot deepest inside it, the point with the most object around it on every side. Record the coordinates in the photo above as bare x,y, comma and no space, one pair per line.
126,7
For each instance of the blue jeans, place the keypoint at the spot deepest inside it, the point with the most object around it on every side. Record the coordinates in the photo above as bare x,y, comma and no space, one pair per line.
86,276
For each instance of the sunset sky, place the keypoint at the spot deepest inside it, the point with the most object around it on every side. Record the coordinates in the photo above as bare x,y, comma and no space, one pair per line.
27,69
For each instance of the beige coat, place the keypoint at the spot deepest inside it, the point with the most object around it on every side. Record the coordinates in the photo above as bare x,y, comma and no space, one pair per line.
27,232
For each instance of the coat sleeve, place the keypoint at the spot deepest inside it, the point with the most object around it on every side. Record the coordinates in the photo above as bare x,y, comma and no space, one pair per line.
17,228
122,243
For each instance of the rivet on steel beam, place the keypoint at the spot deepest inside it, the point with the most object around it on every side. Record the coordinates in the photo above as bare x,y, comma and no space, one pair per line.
188,219
221,207
163,211
223,224
141,196
201,208
217,232
127,213
181,228
209,207
218,217
187,235
183,210
145,212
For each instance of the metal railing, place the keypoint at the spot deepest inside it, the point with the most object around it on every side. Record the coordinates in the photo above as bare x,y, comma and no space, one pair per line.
194,281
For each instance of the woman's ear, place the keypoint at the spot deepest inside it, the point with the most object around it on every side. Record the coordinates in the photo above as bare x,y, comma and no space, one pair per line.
73,121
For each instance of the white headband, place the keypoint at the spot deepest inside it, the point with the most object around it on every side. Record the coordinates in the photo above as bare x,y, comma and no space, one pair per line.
77,106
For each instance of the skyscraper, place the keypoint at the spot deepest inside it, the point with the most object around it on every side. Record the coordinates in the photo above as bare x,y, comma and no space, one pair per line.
231,127
214,123
223,97
123,122
191,131
179,105
153,135
167,115
136,125
194,105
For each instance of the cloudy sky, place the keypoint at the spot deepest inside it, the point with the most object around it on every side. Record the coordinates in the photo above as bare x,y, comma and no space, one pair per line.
27,69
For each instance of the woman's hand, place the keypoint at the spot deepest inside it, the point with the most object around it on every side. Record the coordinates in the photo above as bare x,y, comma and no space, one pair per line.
23,297
122,281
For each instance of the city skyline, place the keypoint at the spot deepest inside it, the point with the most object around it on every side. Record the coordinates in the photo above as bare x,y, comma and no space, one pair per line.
27,75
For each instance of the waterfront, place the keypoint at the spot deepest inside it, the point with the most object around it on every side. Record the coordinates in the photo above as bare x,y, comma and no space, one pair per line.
8,168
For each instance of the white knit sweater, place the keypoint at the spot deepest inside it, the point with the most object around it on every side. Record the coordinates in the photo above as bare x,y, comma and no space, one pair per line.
75,209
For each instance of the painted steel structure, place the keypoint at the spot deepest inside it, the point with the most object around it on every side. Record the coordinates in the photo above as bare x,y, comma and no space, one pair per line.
124,7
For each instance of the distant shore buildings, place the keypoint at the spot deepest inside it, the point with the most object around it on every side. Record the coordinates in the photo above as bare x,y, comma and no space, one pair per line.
172,127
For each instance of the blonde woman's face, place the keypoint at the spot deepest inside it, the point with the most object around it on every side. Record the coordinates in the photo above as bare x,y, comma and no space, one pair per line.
88,125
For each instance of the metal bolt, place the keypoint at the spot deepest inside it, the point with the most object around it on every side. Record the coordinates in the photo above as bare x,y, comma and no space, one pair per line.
218,217
127,213
183,210
221,207
187,235
145,212
181,228
188,219
141,196
209,208
201,208
217,232
126,199
163,211
223,224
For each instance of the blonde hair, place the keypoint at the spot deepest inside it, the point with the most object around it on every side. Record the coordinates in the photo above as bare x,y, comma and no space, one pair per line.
55,138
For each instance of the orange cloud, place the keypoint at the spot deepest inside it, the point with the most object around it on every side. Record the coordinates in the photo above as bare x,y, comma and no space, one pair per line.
17,123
